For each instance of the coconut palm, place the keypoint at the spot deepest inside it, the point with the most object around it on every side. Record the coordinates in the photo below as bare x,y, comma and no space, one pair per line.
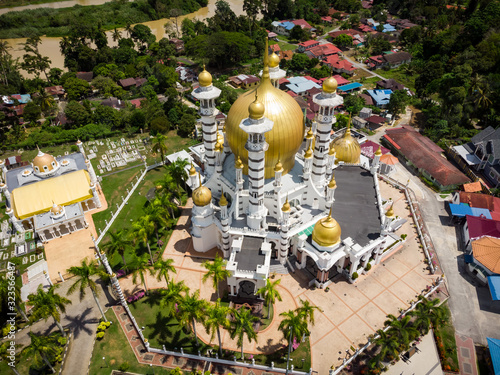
389,345
116,35
84,278
4,293
402,329
270,294
141,266
308,310
160,146
142,229
294,324
5,355
164,199
168,185
177,170
217,271
45,101
242,325
118,243
428,314
217,317
41,348
172,295
190,310
163,267
47,304
158,215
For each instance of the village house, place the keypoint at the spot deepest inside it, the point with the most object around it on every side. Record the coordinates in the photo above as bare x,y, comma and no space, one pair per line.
178,44
244,81
128,83
304,46
57,92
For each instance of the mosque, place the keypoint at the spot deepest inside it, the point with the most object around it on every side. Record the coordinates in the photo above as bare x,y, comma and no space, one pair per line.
50,196
271,192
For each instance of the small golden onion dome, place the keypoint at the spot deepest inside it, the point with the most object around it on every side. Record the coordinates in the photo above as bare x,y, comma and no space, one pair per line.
390,211
220,137
44,160
238,163
2,185
205,78
330,85
274,60
158,187
78,142
379,151
286,207
278,167
310,134
224,128
347,148
309,153
222,200
192,170
331,151
326,231
202,196
332,184
256,109
56,209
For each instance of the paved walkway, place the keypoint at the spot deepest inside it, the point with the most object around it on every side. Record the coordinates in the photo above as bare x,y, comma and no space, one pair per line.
466,355
351,312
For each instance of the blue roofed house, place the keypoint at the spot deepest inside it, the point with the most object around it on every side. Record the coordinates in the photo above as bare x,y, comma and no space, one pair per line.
494,346
300,85
380,97
282,28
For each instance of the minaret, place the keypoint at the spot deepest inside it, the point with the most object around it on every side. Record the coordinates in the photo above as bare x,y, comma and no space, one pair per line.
4,168
96,199
227,149
80,148
388,219
206,93
13,219
256,125
327,100
278,172
376,161
6,193
90,169
309,138
274,69
330,192
285,226
224,221
331,161
192,177
219,159
308,160
238,166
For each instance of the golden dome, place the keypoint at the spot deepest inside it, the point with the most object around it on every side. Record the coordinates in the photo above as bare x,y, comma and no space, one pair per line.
219,147
326,231
378,152
205,78
278,167
220,137
202,196
256,109
56,209
330,85
332,184
390,211
287,133
286,207
347,148
331,151
310,134
42,160
309,153
192,170
222,200
274,60
238,163
158,187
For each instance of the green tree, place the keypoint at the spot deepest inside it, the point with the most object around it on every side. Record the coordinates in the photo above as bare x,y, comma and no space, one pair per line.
177,170
85,275
5,284
299,34
299,62
162,267
252,9
294,324
190,310
141,266
397,102
216,271
77,114
41,348
270,294
6,357
142,229
343,40
354,104
160,146
158,215
402,329
76,89
243,324
34,62
32,112
308,310
428,314
118,243
143,36
172,295
47,304
389,346
216,318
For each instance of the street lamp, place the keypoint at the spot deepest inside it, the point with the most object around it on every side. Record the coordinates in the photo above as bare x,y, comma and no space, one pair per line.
104,359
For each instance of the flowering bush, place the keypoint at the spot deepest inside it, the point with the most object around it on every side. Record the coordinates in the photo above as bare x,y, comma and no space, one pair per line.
135,297
120,273
295,344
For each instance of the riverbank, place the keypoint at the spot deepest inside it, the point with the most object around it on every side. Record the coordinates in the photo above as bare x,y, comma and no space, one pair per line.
16,3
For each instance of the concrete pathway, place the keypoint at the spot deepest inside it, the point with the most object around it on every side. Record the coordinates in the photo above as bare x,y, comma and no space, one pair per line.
466,355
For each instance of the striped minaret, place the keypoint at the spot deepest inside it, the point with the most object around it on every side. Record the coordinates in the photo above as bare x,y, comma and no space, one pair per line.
285,226
224,221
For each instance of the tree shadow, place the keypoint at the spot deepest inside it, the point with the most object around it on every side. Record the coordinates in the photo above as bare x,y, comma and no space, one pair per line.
79,323
270,346
161,327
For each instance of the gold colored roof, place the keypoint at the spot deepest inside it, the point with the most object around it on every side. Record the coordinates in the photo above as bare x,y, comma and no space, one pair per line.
219,147
42,160
256,109
278,167
309,152
332,184
327,231
331,151
347,147
286,207
56,209
287,133
192,170
238,163
378,152
310,134
274,60
205,78
330,85
222,200
390,211
202,196
38,197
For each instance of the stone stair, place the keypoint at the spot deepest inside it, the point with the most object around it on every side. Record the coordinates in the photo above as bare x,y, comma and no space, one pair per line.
278,268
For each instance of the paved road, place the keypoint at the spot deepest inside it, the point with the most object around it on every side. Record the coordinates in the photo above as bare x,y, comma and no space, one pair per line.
83,318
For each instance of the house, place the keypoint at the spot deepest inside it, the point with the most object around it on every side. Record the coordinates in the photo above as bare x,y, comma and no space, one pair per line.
374,122
350,32
14,162
61,119
396,59
128,83
86,76
367,98
274,48
113,103
322,51
186,74
304,24
300,85
57,92
286,55
359,122
341,81
390,84
304,46
374,62
476,227
349,88
244,81
137,102
365,112
327,19
366,4
380,97
342,16
271,35
284,27
369,148
479,201
178,44
340,66
423,155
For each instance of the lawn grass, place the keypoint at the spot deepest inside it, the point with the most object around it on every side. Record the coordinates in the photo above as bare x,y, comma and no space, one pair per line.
398,75
287,46
445,334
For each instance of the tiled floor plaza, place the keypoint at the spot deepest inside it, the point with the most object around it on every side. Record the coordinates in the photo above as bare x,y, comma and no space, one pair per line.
350,312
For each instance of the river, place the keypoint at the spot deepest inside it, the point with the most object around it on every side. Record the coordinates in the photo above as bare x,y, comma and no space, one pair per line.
50,46
55,5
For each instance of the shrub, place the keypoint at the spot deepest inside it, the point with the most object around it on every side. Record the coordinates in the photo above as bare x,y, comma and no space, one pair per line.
368,267
101,327
124,366
62,340
403,236
107,324
74,148
355,275
100,335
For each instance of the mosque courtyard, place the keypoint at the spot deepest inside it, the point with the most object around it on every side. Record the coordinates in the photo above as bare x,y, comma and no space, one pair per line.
350,312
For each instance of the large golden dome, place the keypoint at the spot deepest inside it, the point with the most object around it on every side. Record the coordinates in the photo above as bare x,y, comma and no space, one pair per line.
202,196
204,78
287,133
46,160
326,231
347,148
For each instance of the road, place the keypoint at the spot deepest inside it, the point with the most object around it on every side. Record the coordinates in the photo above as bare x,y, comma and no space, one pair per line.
82,317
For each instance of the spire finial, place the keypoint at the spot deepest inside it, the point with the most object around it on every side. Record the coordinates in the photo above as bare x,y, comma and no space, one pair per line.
265,71
330,213
199,177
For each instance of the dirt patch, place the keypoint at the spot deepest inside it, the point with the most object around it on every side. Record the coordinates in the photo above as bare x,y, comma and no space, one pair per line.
417,119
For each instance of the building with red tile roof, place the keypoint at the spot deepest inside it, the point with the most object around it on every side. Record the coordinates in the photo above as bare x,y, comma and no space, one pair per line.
323,50
304,46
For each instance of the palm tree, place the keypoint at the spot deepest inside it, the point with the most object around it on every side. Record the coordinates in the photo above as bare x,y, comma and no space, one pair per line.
163,267
308,310
389,345
84,274
128,29
172,295
217,317
142,229
217,271
168,184
294,324
45,101
47,304
191,309
177,170
164,199
270,294
243,325
4,52
159,144
140,267
5,355
41,348
119,243
4,288
427,314
402,329
158,214
116,35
